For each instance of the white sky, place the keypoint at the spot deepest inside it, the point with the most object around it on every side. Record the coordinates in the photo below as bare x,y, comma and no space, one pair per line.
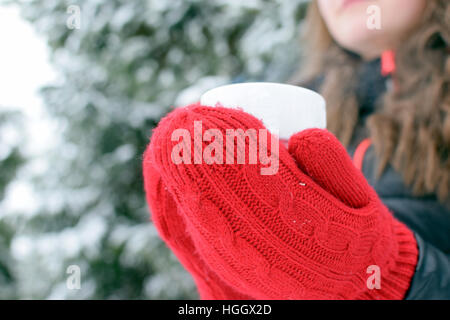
24,68
24,63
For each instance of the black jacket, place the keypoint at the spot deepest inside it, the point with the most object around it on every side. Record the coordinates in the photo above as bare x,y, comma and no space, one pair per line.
425,216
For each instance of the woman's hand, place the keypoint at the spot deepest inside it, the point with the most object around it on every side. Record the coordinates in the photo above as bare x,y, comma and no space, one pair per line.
311,230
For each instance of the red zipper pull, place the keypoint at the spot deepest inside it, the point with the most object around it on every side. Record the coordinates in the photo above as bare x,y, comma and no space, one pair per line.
387,63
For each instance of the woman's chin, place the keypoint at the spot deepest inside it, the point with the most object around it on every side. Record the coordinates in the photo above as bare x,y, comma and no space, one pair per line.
367,43
367,48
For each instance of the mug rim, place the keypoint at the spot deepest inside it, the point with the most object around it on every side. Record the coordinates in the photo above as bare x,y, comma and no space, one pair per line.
304,90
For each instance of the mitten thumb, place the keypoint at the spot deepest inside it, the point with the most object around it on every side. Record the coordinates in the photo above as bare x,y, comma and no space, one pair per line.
324,159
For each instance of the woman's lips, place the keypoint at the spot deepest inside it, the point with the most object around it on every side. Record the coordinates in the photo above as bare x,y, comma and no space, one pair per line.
347,3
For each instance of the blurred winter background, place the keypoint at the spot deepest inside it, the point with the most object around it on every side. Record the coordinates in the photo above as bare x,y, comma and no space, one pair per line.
77,106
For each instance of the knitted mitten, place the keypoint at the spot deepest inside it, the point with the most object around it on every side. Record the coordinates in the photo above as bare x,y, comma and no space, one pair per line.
172,229
314,229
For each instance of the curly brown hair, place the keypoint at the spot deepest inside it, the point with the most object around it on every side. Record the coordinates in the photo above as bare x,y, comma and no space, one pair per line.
411,128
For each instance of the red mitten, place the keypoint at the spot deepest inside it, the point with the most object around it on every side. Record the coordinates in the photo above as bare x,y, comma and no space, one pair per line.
172,229
312,230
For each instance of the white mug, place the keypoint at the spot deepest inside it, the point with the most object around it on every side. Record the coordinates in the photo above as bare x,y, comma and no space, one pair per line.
284,109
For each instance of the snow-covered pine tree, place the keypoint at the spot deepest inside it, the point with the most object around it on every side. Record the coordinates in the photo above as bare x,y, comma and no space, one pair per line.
121,71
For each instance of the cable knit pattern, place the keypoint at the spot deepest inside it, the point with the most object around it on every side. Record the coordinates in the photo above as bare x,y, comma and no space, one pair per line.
310,231
172,228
